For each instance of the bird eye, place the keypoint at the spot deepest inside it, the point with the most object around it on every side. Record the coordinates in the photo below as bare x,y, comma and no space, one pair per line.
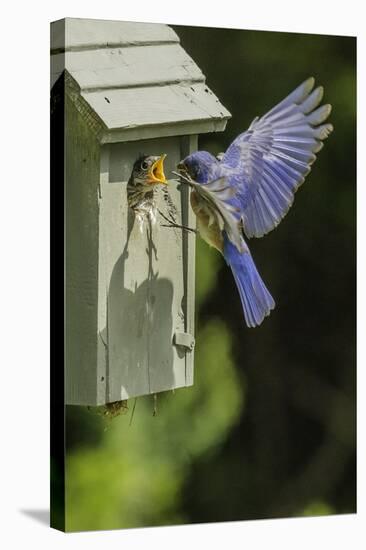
144,165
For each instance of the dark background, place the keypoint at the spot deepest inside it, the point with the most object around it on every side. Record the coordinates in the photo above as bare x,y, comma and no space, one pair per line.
268,430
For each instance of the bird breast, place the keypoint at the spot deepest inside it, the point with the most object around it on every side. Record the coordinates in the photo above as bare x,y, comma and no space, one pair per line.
207,225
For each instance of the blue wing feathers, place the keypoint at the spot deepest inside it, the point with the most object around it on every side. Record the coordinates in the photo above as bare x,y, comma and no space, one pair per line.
319,115
297,96
303,155
276,197
271,159
312,100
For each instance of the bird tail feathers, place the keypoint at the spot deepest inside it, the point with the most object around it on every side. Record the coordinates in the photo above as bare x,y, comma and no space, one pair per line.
256,300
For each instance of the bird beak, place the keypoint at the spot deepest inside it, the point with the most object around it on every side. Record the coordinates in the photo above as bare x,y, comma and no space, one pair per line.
183,170
156,172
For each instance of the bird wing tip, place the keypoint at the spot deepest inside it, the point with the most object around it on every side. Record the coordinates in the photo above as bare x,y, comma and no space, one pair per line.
309,83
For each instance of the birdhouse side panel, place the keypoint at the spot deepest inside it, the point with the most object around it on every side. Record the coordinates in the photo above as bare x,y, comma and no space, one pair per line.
81,217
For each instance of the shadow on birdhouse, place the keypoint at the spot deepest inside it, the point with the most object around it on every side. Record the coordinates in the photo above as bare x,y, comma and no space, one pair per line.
125,88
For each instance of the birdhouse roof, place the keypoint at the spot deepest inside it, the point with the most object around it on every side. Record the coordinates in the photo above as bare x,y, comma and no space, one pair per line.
131,78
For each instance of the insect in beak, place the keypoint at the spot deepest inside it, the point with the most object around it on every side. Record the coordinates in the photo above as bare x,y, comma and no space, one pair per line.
156,172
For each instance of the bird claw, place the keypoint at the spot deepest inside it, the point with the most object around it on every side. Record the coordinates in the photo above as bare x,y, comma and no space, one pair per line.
176,226
171,223
185,177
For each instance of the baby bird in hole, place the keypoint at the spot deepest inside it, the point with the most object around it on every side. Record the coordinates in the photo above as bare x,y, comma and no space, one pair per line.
147,173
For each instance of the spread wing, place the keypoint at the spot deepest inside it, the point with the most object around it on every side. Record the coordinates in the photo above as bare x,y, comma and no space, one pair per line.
270,160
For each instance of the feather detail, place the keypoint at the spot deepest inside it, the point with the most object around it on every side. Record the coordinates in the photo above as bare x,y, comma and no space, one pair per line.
269,162
208,198
256,301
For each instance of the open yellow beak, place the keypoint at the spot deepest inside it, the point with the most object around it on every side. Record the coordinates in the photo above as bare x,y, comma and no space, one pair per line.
156,172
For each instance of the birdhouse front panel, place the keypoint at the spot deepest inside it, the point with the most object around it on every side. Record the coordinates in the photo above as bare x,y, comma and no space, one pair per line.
143,274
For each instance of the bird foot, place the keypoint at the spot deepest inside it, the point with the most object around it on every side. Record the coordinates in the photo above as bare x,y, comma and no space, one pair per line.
171,223
184,227
185,177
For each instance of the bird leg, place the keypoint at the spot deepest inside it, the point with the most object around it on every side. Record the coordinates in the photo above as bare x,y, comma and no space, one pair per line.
175,225
172,223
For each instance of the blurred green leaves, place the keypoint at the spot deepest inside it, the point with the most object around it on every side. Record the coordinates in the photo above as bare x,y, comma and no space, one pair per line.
132,476
190,453
207,266
135,475
318,508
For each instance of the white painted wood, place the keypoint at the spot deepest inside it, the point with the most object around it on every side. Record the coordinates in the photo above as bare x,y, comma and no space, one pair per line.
81,259
125,298
126,290
133,78
149,132
128,67
102,380
156,106
184,339
144,276
72,33
146,285
188,145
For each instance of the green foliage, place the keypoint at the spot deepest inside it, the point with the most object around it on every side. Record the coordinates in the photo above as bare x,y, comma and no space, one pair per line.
208,261
289,447
318,508
134,477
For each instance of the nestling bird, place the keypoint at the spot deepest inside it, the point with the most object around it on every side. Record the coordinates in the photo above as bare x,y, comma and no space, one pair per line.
258,176
147,172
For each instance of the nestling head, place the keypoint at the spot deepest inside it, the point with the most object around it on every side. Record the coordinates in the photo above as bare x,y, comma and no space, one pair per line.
199,166
149,170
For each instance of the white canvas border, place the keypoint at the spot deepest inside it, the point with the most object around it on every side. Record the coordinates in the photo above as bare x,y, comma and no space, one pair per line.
25,272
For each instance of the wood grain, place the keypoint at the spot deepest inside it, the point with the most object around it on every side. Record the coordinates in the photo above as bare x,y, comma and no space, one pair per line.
128,67
156,106
72,33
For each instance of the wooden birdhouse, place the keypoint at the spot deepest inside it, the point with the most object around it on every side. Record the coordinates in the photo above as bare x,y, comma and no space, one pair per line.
129,88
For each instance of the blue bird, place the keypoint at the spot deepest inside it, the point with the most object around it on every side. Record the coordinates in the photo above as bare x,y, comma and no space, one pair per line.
250,188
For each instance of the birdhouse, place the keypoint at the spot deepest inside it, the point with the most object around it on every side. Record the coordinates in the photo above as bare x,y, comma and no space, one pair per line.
129,88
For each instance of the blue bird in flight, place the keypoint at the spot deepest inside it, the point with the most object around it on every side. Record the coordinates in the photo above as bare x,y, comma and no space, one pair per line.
250,188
